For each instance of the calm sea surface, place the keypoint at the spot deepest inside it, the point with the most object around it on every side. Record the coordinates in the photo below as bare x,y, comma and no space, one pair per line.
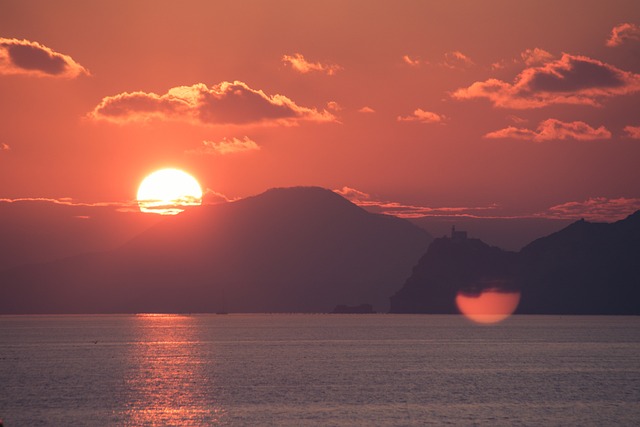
382,370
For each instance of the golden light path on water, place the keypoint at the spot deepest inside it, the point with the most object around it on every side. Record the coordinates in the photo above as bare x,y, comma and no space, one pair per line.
489,306
168,384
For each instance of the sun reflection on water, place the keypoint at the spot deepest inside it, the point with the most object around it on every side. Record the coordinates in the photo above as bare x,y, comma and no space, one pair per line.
168,384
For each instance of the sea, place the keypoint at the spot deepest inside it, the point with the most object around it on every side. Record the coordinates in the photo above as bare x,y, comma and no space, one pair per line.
318,370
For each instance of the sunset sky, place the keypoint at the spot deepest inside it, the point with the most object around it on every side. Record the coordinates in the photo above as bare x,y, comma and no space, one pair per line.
491,109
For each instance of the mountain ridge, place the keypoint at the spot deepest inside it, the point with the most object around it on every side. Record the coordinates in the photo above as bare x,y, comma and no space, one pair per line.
585,268
297,249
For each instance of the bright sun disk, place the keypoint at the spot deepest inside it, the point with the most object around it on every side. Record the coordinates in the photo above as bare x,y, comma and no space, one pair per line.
168,192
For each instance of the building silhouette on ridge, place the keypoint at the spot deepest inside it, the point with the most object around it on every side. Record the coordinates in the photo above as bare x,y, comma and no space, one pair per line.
458,235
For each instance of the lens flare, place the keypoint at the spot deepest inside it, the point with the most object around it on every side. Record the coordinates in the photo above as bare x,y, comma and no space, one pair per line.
489,306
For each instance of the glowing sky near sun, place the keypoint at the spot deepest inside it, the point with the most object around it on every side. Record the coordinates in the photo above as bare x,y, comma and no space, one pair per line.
490,109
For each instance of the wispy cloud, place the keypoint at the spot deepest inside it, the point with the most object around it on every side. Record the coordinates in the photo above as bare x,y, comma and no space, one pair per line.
224,103
298,62
355,196
552,129
517,119
422,116
413,62
212,197
33,59
366,109
456,60
536,56
501,64
529,57
226,146
595,209
401,210
334,106
67,201
633,131
622,33
569,80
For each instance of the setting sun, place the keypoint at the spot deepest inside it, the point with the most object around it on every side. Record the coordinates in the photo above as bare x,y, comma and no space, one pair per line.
334,213
168,192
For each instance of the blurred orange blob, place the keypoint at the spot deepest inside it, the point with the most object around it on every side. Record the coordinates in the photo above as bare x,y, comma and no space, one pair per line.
489,306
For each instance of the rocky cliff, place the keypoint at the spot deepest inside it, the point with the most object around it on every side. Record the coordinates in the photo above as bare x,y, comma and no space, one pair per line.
452,265
586,268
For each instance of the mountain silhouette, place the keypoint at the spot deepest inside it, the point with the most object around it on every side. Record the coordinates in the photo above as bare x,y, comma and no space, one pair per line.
451,265
585,268
303,249
34,231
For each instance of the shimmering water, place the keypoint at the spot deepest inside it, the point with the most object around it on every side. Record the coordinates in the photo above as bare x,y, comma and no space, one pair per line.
318,370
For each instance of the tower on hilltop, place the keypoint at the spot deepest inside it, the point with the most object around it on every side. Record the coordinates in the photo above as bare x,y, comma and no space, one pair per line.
458,235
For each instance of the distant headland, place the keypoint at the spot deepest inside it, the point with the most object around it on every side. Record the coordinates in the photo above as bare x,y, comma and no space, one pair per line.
307,249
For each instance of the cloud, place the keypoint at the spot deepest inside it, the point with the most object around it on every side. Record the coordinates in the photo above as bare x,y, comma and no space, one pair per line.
226,146
499,65
552,129
211,197
622,33
568,80
401,210
633,131
300,64
355,196
529,57
422,116
33,59
366,109
457,60
67,201
516,119
536,56
452,60
224,103
4,147
414,62
334,106
512,132
595,209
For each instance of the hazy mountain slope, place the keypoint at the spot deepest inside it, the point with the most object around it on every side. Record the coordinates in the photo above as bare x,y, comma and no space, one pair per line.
40,231
296,249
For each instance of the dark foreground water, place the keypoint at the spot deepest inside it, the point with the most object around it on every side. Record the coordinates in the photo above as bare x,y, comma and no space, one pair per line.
320,370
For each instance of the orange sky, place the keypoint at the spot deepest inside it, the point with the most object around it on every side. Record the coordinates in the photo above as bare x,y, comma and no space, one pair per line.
497,108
